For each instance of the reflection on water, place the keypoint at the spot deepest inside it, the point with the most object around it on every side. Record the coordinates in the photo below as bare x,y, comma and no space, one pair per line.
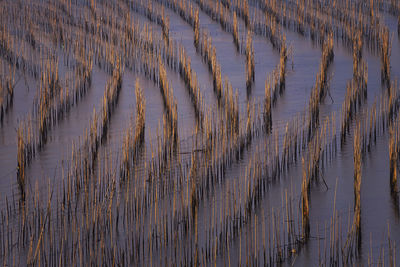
219,196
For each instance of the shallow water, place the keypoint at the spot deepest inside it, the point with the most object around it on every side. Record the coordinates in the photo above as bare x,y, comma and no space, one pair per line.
379,210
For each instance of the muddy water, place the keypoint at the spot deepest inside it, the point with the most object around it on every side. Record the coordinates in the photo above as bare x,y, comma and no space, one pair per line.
378,208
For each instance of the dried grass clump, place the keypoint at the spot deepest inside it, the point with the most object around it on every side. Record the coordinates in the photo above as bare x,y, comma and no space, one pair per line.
133,143
305,209
170,121
249,62
356,88
353,242
235,32
320,90
26,150
192,84
242,10
386,47
165,26
394,150
393,157
48,90
267,108
140,114
110,97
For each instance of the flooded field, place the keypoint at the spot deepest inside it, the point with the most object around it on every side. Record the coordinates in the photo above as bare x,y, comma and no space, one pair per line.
199,133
